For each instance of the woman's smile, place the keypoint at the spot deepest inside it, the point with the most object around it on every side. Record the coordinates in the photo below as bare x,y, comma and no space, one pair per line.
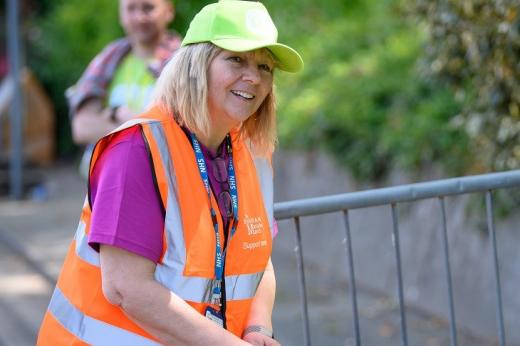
238,83
243,94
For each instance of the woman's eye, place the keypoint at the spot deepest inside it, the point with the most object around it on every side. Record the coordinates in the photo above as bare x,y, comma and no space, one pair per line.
235,59
265,67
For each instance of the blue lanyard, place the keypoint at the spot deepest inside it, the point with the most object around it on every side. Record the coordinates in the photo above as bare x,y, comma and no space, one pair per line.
220,255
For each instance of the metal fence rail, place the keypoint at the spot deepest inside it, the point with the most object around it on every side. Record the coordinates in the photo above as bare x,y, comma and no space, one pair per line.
392,196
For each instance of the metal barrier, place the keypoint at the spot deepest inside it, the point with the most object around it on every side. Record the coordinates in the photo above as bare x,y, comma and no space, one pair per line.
16,127
392,196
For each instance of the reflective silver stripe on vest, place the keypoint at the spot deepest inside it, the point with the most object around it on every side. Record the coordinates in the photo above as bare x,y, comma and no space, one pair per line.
88,329
242,286
175,256
83,250
198,290
195,289
265,178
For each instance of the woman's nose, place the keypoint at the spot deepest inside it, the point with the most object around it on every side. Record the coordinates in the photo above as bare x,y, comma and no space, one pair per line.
252,74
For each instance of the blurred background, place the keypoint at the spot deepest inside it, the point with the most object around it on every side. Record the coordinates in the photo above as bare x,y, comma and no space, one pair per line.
393,91
412,82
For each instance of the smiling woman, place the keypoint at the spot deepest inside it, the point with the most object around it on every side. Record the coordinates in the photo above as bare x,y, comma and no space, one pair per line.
238,83
188,260
226,89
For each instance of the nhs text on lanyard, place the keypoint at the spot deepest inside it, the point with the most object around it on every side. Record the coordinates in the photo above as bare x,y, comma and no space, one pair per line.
220,256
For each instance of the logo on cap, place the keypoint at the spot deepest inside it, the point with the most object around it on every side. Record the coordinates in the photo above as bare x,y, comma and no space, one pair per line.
258,22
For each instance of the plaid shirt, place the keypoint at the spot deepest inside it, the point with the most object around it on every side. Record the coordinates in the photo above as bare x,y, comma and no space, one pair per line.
97,77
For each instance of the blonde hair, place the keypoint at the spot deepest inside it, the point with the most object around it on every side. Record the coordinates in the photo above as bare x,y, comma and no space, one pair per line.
182,90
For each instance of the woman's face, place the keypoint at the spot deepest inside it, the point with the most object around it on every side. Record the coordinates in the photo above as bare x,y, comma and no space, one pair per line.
238,83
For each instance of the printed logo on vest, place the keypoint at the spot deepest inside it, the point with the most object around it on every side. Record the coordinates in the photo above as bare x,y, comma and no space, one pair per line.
254,225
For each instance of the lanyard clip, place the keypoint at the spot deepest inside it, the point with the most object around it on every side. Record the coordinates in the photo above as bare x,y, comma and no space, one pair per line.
216,292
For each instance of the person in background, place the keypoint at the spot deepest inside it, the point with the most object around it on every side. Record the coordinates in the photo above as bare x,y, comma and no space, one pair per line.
119,81
174,241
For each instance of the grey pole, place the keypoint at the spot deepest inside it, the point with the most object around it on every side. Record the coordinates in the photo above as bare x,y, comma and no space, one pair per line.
16,123
446,248
400,294
496,267
303,285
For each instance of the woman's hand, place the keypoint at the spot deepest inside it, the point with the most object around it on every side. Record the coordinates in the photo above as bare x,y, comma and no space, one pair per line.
258,339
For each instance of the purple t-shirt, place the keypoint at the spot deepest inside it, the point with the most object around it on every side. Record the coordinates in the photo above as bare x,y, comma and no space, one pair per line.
126,208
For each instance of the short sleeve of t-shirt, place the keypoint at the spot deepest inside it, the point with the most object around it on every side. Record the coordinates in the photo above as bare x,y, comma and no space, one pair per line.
126,208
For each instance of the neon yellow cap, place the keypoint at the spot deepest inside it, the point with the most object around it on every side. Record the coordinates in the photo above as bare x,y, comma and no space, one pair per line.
241,26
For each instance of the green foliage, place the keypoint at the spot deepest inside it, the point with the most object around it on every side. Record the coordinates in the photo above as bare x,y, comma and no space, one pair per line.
361,97
474,48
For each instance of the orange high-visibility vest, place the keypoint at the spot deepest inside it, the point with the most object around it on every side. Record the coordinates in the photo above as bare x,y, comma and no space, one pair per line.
80,314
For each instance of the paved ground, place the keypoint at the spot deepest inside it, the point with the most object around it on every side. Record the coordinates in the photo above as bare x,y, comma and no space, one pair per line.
44,223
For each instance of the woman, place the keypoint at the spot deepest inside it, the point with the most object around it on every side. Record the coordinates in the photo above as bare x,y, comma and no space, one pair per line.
174,241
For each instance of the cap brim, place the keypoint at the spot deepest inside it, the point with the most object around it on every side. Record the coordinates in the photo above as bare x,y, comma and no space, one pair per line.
288,59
